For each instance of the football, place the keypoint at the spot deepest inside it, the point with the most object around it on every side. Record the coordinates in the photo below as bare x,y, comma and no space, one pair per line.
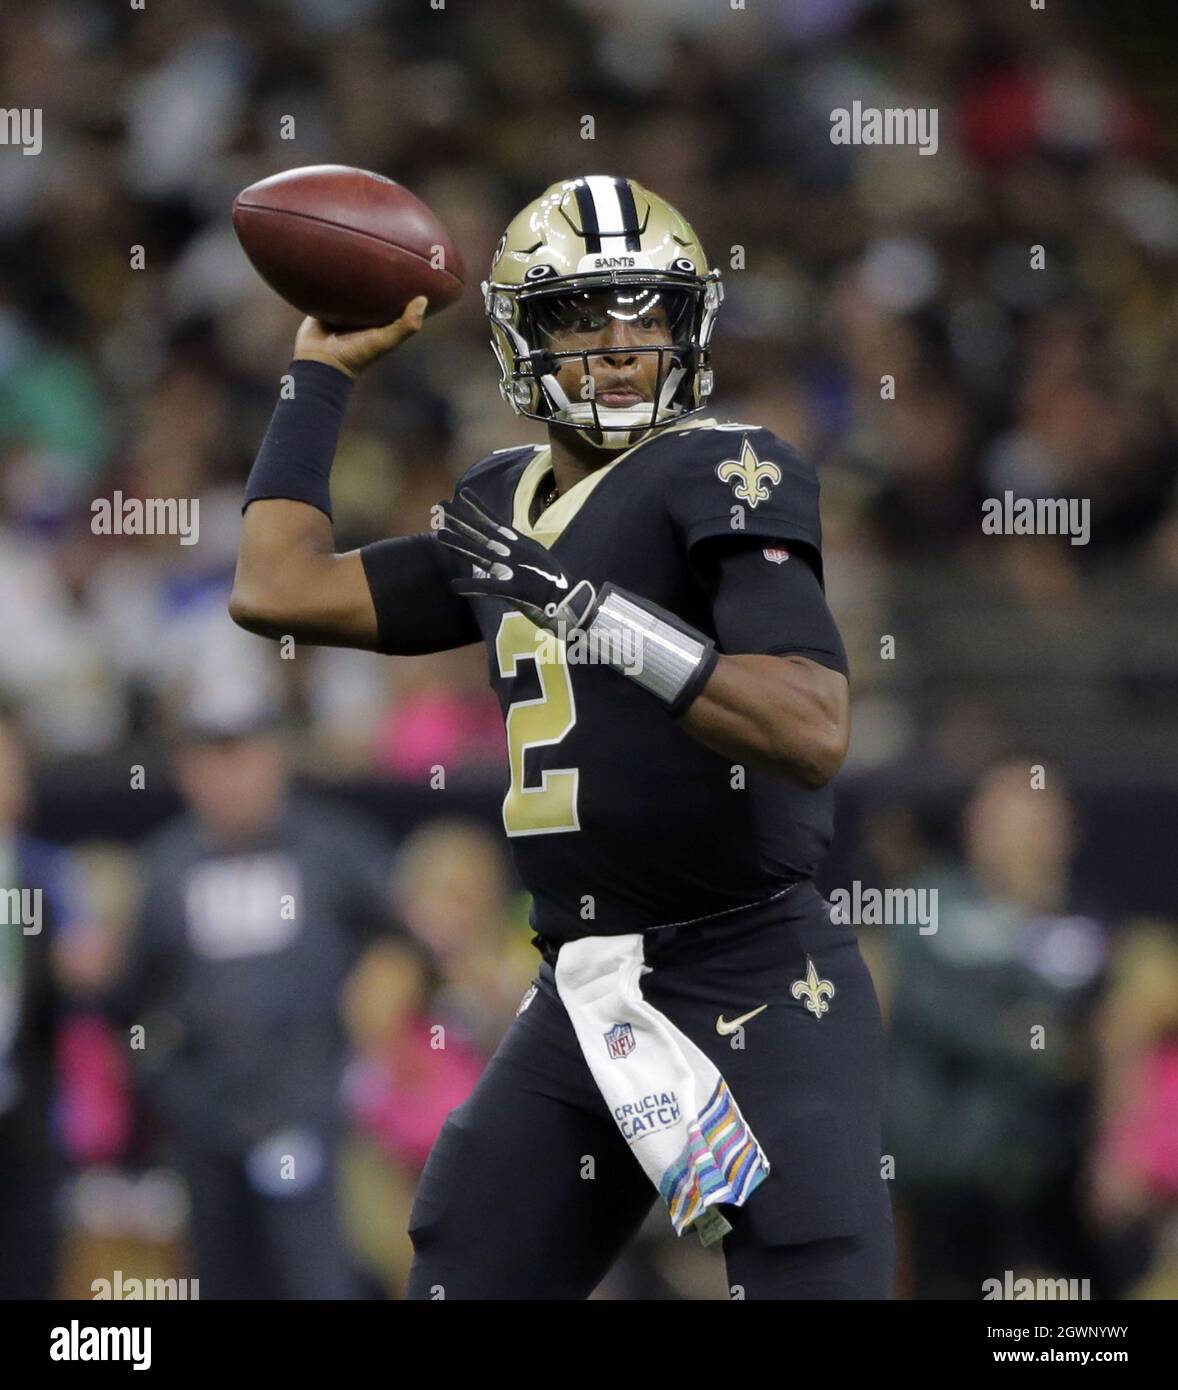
349,247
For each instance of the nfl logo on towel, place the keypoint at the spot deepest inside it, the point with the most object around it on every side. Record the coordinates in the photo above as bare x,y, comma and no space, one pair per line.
620,1040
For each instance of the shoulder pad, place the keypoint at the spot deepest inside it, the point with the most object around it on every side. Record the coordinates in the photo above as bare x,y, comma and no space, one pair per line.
497,460
736,479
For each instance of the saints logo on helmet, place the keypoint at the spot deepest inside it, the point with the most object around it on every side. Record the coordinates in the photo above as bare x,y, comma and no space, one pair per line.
589,250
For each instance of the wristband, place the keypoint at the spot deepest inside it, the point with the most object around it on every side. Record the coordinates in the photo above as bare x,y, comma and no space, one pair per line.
675,659
296,453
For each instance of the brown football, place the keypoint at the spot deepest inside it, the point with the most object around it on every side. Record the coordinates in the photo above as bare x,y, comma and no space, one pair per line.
349,247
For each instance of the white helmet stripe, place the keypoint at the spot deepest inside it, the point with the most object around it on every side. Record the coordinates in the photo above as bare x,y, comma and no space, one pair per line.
610,218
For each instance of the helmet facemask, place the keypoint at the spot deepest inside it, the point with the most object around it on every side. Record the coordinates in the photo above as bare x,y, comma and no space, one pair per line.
550,318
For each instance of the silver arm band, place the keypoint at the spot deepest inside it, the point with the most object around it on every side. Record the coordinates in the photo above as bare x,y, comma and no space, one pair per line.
662,654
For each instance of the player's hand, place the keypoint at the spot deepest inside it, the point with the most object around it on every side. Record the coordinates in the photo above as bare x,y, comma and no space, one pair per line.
352,351
515,568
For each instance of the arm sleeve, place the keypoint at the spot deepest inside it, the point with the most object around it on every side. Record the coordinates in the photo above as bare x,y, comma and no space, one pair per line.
416,611
762,602
295,456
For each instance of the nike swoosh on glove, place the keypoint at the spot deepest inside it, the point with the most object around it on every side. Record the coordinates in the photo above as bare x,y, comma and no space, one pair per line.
515,568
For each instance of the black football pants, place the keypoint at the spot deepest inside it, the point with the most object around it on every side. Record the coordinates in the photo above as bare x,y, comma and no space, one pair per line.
531,1192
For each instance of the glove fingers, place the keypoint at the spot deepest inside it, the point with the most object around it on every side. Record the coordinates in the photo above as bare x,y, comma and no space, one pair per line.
472,545
454,522
489,588
485,562
466,497
495,547
477,588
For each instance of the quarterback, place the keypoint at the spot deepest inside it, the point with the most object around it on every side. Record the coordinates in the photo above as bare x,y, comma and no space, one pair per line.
648,586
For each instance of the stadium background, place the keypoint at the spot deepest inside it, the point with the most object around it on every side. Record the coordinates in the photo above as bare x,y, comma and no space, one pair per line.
1056,128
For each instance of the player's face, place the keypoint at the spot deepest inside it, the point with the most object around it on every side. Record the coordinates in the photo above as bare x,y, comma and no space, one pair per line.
610,325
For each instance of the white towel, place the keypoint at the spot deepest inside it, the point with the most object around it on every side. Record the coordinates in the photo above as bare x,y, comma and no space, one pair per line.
671,1104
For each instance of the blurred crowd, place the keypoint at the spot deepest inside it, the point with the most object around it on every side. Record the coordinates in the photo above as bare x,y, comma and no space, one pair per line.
140,354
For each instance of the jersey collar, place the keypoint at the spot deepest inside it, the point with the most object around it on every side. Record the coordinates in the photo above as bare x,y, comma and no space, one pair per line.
555,520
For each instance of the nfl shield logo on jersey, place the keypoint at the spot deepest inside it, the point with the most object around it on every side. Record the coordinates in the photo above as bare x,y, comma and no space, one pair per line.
620,1040
776,554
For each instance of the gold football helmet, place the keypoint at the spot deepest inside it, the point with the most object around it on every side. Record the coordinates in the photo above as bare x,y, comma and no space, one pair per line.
591,249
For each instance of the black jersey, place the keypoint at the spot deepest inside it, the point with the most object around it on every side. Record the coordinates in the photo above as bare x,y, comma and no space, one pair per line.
620,820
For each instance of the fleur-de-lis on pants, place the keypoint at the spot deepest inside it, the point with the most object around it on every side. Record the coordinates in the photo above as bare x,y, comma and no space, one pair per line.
814,990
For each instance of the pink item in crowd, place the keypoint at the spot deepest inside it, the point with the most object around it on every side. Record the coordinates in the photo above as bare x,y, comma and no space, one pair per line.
439,727
1144,1138
404,1096
94,1093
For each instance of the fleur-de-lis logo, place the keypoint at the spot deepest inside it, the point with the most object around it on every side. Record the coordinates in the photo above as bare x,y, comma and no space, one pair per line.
813,990
749,475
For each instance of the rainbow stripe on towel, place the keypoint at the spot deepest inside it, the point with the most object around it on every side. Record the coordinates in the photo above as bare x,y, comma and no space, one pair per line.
721,1162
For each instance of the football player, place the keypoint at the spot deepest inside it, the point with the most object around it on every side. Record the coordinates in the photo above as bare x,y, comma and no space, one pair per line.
648,585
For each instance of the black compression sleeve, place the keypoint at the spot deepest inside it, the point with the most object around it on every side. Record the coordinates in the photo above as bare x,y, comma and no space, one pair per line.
416,611
296,453
766,604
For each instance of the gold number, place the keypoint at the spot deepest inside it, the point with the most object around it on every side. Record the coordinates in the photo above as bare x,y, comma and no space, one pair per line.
552,806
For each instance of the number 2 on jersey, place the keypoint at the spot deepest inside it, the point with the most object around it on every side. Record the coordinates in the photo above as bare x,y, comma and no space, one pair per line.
552,806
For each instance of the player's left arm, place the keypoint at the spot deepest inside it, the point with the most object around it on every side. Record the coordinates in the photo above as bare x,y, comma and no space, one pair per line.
779,699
